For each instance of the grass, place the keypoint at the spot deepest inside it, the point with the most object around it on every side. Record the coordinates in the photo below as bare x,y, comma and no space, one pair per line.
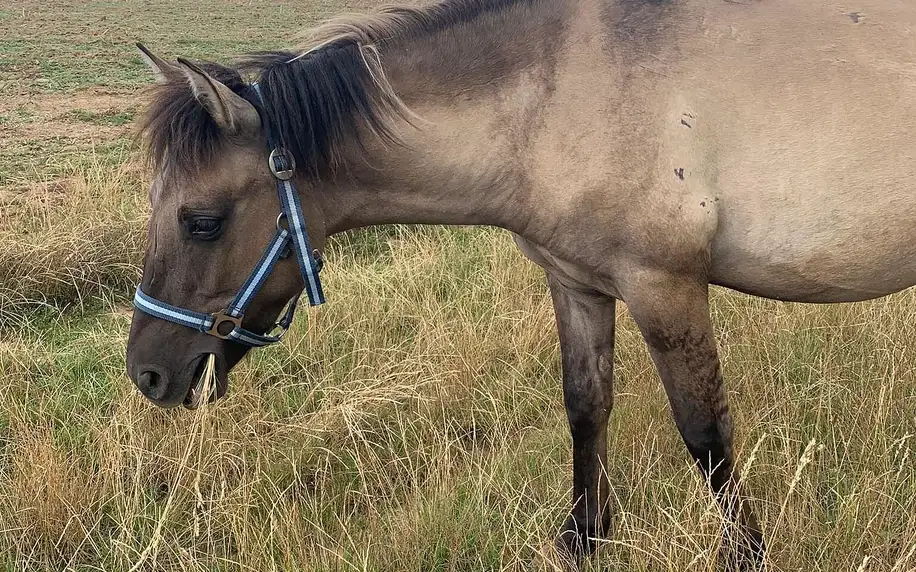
415,422
67,46
74,242
115,118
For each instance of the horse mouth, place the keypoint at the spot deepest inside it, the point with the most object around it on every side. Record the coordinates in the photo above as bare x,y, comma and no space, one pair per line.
204,389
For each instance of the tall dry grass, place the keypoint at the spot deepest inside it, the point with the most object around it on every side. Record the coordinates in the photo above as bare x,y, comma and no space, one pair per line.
71,240
416,421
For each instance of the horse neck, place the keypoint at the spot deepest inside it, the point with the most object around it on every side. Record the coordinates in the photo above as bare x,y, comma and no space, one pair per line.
477,94
452,170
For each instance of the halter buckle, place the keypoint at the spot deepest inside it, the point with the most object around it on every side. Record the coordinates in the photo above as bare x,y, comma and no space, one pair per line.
285,171
220,318
278,335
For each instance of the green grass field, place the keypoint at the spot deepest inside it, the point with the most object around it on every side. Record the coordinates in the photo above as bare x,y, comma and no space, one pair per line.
415,422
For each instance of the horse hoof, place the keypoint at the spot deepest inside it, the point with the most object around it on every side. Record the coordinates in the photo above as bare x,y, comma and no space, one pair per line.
575,542
747,555
553,557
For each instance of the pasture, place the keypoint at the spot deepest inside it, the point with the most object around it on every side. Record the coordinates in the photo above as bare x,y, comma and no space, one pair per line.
416,421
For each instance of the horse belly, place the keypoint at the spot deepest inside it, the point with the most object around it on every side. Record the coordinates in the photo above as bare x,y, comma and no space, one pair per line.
806,118
819,218
833,266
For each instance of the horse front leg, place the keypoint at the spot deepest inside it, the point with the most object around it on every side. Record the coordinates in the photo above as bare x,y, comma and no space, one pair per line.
672,313
585,321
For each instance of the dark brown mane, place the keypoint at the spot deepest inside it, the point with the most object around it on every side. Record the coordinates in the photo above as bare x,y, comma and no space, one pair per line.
316,100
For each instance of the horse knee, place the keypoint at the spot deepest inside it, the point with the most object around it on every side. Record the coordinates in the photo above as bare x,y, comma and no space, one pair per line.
588,394
706,443
587,412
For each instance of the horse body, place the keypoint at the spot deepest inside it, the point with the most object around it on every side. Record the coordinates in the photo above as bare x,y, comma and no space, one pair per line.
640,150
777,139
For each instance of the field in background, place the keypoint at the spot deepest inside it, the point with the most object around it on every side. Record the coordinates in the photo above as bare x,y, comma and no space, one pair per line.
416,421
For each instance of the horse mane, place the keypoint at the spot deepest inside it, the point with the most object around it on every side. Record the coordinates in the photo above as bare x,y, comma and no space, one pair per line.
403,22
317,100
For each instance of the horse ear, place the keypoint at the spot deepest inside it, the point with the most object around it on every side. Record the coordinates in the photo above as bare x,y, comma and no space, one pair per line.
231,112
161,68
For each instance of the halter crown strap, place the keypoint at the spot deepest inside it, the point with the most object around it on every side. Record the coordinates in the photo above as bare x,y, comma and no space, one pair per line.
283,166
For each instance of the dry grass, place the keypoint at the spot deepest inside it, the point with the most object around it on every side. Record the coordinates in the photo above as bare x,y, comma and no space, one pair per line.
416,421
72,240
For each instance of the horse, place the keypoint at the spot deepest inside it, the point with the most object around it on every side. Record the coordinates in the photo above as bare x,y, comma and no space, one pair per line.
637,150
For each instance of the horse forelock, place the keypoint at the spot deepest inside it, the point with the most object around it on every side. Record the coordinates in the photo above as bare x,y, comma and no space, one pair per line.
178,133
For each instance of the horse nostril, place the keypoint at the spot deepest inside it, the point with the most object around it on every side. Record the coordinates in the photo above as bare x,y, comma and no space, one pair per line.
152,383
150,379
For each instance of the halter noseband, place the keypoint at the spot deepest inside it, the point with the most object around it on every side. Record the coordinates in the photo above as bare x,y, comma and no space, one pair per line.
295,236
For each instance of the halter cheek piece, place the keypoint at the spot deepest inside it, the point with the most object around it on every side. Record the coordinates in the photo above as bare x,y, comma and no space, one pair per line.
227,324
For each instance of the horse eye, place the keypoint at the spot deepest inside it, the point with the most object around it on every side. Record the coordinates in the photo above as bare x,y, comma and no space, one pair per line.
204,227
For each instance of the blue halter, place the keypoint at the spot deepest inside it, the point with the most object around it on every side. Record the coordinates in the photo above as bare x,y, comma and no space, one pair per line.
295,236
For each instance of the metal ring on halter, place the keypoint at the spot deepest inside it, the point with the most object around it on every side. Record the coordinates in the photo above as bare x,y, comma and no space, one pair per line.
282,174
220,318
279,335
280,217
